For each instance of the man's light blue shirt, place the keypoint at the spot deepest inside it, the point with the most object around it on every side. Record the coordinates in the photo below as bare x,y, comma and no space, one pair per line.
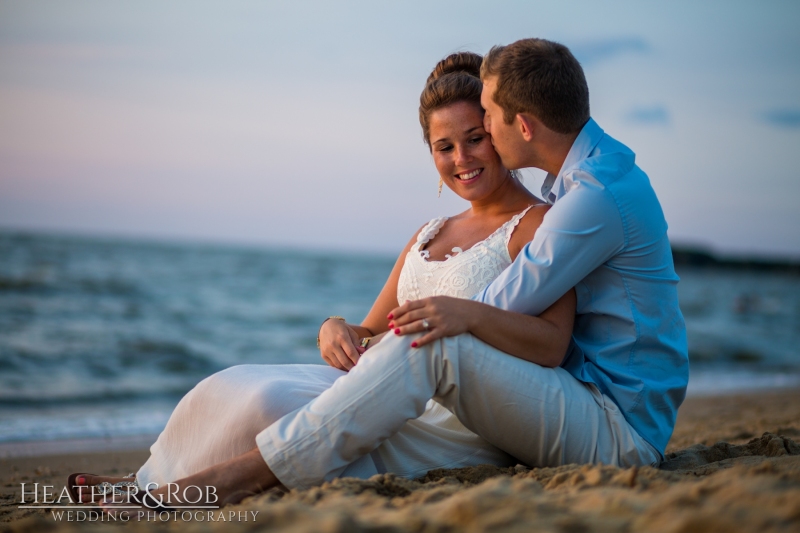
606,236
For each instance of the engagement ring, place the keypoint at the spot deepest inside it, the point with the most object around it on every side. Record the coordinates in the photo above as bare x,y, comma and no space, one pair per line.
426,324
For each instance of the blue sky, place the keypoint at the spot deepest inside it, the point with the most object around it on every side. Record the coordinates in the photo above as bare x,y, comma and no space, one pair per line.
296,122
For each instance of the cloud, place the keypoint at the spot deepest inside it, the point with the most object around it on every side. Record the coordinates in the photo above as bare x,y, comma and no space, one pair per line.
783,118
654,115
590,53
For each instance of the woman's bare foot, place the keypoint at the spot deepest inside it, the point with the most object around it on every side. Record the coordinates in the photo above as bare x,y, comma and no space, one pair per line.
88,490
214,487
220,484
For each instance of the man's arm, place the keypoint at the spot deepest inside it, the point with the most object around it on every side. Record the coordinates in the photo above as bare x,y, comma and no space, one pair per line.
542,339
582,230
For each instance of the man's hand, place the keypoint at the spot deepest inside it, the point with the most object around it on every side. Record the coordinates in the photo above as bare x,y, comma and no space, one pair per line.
338,345
444,317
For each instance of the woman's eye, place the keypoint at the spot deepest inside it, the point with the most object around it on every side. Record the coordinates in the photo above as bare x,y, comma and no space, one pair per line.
445,148
476,140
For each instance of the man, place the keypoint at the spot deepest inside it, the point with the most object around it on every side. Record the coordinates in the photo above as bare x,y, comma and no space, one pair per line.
614,399
605,235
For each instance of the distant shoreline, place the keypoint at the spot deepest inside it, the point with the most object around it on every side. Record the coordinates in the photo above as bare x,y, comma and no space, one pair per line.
697,257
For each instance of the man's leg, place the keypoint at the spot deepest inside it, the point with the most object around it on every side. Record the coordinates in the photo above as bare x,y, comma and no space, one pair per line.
541,416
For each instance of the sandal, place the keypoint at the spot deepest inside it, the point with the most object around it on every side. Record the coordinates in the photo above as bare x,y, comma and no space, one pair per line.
121,488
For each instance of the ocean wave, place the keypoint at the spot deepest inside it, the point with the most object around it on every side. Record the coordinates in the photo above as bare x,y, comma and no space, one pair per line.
109,397
84,286
23,284
165,356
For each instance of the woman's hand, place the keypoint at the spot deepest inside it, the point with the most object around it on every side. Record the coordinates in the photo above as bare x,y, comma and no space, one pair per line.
444,317
338,344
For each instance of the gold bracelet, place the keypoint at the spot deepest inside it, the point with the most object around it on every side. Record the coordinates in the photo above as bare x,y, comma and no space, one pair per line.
320,326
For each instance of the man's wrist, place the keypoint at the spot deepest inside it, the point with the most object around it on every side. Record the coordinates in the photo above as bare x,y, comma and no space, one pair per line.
474,312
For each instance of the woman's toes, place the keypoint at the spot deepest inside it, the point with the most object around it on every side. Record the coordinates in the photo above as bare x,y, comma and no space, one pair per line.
91,480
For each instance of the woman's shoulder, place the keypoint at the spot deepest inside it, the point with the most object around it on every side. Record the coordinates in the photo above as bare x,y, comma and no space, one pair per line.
526,227
534,215
429,229
424,233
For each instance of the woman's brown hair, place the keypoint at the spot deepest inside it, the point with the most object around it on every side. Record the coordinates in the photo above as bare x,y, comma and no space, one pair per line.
455,78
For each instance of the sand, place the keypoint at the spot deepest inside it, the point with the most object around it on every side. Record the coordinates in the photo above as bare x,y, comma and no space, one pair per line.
733,465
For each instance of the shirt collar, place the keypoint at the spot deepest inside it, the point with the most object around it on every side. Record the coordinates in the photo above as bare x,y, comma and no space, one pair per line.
585,142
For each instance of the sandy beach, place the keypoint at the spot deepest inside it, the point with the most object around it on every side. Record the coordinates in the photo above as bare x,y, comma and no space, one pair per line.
733,464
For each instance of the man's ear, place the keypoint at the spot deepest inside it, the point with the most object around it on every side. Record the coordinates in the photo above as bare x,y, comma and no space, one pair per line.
526,126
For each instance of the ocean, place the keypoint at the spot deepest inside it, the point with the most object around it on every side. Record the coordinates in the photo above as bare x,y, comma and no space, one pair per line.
100,338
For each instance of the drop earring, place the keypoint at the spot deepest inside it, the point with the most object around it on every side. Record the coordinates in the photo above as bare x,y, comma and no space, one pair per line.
440,187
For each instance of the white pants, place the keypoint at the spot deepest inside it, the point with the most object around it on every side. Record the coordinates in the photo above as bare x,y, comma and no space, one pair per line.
220,418
541,416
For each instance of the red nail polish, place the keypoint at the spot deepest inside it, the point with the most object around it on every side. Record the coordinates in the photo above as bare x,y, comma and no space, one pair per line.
391,316
414,344
397,331
391,325
80,480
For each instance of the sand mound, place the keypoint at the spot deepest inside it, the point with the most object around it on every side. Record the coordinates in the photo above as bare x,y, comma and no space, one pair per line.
768,445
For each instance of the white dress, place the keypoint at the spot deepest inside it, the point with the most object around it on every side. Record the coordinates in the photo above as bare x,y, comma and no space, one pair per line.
220,418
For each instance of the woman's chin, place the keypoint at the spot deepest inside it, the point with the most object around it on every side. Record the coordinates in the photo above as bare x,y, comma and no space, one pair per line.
472,195
468,187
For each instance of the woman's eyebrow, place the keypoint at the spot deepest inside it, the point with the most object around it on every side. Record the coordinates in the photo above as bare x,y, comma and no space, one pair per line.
443,139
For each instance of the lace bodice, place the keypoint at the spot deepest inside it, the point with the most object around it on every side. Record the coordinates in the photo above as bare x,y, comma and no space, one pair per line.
461,275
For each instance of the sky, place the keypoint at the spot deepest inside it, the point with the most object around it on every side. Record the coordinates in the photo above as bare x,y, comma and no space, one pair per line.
295,123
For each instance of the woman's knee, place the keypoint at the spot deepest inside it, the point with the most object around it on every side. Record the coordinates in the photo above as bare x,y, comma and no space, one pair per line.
218,380
221,384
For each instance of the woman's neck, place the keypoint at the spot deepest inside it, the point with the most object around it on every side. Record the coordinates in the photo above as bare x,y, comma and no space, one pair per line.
510,196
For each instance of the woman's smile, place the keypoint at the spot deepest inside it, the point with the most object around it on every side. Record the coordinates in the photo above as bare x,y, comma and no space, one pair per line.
469,176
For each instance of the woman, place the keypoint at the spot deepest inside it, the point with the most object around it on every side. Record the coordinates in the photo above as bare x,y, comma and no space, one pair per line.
447,261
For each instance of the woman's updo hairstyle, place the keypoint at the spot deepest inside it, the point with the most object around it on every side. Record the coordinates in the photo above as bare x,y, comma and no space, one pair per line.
456,78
